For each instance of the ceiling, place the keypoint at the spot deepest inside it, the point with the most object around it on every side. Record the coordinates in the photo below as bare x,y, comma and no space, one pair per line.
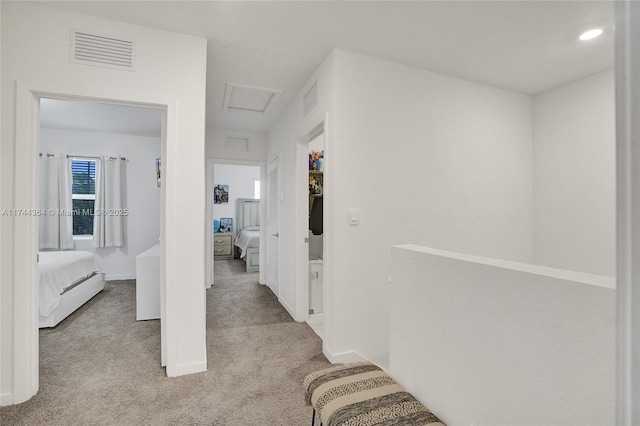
524,46
99,117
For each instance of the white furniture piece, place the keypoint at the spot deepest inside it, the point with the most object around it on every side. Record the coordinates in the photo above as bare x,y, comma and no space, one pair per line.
148,284
248,236
315,286
68,279
252,259
248,243
222,246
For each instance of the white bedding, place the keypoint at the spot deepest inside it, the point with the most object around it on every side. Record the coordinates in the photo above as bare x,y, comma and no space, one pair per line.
247,239
59,270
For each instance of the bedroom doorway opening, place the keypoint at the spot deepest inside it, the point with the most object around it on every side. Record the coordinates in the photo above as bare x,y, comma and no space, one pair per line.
27,189
101,197
234,199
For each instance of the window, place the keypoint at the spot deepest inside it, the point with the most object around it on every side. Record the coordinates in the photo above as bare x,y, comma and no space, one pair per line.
83,195
256,189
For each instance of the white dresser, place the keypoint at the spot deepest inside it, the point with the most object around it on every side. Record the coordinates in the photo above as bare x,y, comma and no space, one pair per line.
148,284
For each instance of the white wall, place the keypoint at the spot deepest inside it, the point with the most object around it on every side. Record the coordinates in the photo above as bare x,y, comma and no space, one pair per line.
215,147
574,176
35,52
425,158
240,180
141,195
491,342
316,145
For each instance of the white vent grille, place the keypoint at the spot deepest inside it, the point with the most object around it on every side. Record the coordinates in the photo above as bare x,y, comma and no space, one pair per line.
236,143
102,51
310,99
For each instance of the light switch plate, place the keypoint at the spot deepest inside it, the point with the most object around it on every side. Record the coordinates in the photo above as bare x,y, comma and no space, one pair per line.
353,217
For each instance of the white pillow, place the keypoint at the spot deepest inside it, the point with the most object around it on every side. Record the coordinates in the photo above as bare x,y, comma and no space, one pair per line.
252,228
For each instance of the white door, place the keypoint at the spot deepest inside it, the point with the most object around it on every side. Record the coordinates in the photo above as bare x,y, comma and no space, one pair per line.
274,225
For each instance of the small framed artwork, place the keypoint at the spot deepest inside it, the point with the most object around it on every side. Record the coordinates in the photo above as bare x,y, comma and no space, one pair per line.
221,194
158,171
226,224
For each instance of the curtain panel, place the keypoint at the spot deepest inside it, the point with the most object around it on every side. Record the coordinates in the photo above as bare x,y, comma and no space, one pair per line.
108,222
56,226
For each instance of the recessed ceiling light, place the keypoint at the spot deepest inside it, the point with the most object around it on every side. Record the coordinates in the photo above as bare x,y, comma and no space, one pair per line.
590,34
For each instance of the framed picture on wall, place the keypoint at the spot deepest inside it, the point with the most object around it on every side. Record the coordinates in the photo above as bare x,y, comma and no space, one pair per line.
221,194
226,224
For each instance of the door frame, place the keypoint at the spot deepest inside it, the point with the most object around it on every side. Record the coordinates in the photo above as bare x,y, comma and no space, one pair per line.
302,217
275,159
208,250
26,357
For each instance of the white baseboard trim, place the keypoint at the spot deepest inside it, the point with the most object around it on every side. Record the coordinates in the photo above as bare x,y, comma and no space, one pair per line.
342,357
184,369
6,399
112,277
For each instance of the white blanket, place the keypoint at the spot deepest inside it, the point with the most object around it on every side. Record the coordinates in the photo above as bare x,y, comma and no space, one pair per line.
59,270
247,239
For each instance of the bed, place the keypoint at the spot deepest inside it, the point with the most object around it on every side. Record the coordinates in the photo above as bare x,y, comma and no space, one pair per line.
248,232
68,279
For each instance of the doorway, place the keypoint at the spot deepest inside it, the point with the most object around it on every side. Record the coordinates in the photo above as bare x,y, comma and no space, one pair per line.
231,185
99,188
313,237
25,249
315,180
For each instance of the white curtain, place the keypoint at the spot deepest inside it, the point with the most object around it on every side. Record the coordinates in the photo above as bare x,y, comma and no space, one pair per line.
56,224
108,219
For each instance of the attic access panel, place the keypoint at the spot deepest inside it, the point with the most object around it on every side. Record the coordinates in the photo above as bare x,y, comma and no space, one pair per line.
243,98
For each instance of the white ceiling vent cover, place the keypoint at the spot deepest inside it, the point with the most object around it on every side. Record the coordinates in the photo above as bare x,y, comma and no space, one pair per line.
101,50
236,143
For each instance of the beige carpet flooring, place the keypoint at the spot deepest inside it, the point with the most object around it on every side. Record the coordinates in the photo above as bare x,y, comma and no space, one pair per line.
102,367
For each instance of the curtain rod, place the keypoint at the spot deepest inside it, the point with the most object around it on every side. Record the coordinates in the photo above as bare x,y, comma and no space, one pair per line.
84,156
95,158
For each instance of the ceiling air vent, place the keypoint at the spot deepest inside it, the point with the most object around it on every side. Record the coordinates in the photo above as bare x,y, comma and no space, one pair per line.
236,143
101,50
310,99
